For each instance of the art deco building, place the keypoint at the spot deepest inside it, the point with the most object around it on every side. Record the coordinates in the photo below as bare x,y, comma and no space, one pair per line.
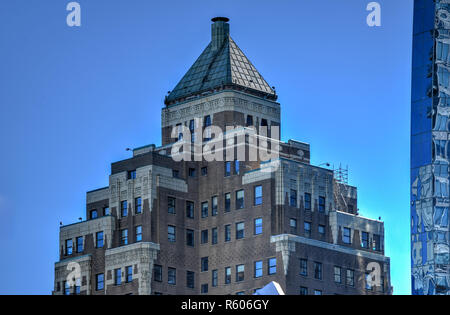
430,149
164,226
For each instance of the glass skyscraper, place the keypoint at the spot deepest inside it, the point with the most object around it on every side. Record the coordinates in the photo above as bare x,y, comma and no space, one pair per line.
430,148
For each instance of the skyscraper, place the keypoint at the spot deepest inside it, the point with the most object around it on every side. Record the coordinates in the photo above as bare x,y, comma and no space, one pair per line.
222,226
430,148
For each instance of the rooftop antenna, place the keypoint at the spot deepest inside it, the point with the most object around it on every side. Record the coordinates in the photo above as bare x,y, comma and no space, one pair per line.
341,174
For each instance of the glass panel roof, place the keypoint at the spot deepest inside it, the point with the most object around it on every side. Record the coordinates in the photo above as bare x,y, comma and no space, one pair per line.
215,68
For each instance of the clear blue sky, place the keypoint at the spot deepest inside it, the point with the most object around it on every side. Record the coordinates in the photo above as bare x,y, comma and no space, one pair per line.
72,100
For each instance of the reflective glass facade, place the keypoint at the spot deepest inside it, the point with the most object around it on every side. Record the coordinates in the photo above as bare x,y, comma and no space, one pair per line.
430,148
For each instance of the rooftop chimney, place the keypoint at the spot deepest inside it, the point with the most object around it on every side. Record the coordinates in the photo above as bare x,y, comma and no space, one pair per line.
220,30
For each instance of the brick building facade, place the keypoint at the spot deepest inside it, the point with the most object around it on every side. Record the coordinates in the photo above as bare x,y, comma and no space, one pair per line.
224,226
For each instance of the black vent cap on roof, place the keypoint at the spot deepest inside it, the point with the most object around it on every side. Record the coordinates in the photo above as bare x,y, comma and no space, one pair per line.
220,19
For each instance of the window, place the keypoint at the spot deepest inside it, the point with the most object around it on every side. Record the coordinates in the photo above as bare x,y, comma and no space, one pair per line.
382,284
171,205
190,209
317,292
77,290
249,120
157,273
172,276
264,122
69,247
204,236
124,208
258,269
214,206
171,234
214,236
99,239
132,174
307,226
138,205
214,280
227,169
240,270
337,274
118,276
139,233
272,266
321,230
192,172
124,237
204,264
106,211
303,267
365,240
79,244
239,199
205,209
227,202
293,225
236,166
347,236
227,275
175,173
240,230
190,279
204,289
307,201
180,131
204,171
66,286
94,214
369,282
303,291
258,195
227,233
293,198
207,121
321,204
350,277
377,242
258,226
190,238
318,270
192,125
100,282
129,274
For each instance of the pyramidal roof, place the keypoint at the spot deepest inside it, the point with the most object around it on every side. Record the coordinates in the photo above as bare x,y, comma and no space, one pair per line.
221,65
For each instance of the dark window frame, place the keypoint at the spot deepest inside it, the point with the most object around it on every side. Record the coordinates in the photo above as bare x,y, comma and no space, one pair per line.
240,201
138,205
307,201
258,228
240,232
171,205
190,238
322,204
318,270
99,280
258,195
172,276
171,237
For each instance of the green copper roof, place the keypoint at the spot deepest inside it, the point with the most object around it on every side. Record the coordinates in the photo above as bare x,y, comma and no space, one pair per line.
221,63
